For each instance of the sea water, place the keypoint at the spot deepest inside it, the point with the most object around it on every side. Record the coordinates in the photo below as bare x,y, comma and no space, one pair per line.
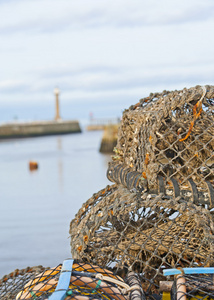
37,207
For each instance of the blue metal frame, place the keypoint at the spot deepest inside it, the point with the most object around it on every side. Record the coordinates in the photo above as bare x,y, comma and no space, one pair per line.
64,281
168,272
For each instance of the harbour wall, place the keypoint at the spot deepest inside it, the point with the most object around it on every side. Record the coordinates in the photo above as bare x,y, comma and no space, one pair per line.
33,129
109,139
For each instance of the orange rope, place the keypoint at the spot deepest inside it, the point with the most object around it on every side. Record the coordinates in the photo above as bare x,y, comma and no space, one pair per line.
195,115
147,159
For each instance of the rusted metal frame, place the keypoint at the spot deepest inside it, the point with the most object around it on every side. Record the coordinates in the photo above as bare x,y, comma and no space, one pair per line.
210,192
131,179
131,176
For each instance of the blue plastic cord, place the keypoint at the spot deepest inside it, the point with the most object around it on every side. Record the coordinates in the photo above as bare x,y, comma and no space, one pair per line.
168,272
64,281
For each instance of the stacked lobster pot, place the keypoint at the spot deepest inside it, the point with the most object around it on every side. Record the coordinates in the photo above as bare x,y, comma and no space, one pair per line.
152,230
70,280
158,213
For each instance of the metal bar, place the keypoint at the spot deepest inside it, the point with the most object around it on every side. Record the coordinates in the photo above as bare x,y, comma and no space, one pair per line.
64,281
168,272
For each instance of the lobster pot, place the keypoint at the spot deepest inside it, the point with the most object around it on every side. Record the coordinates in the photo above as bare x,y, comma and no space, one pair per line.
170,134
82,281
142,232
195,286
13,283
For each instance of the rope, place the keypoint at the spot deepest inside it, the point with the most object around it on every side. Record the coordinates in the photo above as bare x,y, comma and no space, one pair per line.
195,114
126,288
110,279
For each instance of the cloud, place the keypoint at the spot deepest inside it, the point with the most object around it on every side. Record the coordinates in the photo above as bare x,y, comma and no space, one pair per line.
99,82
110,78
105,49
12,86
48,16
64,71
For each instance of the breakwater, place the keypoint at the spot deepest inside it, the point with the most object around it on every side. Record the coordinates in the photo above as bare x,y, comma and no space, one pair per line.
39,128
109,139
102,123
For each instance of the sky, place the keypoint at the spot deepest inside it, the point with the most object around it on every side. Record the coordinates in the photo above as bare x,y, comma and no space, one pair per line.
102,53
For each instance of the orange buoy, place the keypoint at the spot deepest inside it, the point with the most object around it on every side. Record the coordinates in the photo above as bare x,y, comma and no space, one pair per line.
33,165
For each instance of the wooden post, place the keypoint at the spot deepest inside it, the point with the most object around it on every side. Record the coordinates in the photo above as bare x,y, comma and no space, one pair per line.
56,92
181,287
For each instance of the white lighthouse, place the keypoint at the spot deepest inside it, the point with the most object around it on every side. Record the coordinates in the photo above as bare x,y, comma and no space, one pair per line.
57,116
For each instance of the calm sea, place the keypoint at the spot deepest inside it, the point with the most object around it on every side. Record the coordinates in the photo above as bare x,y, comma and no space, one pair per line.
37,207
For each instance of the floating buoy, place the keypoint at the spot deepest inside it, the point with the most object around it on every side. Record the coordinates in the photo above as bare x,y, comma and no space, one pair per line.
33,165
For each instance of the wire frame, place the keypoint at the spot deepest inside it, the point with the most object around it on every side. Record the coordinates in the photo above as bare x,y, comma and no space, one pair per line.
136,181
142,232
87,281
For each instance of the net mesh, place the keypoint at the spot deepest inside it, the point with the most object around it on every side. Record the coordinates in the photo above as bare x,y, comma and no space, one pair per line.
144,232
159,212
197,287
14,282
170,133
87,281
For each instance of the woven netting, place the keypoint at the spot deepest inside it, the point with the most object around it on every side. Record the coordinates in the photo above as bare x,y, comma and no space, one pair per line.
170,133
85,282
195,286
13,283
142,232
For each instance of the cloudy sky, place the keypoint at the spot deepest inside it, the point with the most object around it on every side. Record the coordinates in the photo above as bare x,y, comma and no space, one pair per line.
97,51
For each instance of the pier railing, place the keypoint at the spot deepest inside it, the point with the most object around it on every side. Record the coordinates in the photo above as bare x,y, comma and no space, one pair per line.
104,121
